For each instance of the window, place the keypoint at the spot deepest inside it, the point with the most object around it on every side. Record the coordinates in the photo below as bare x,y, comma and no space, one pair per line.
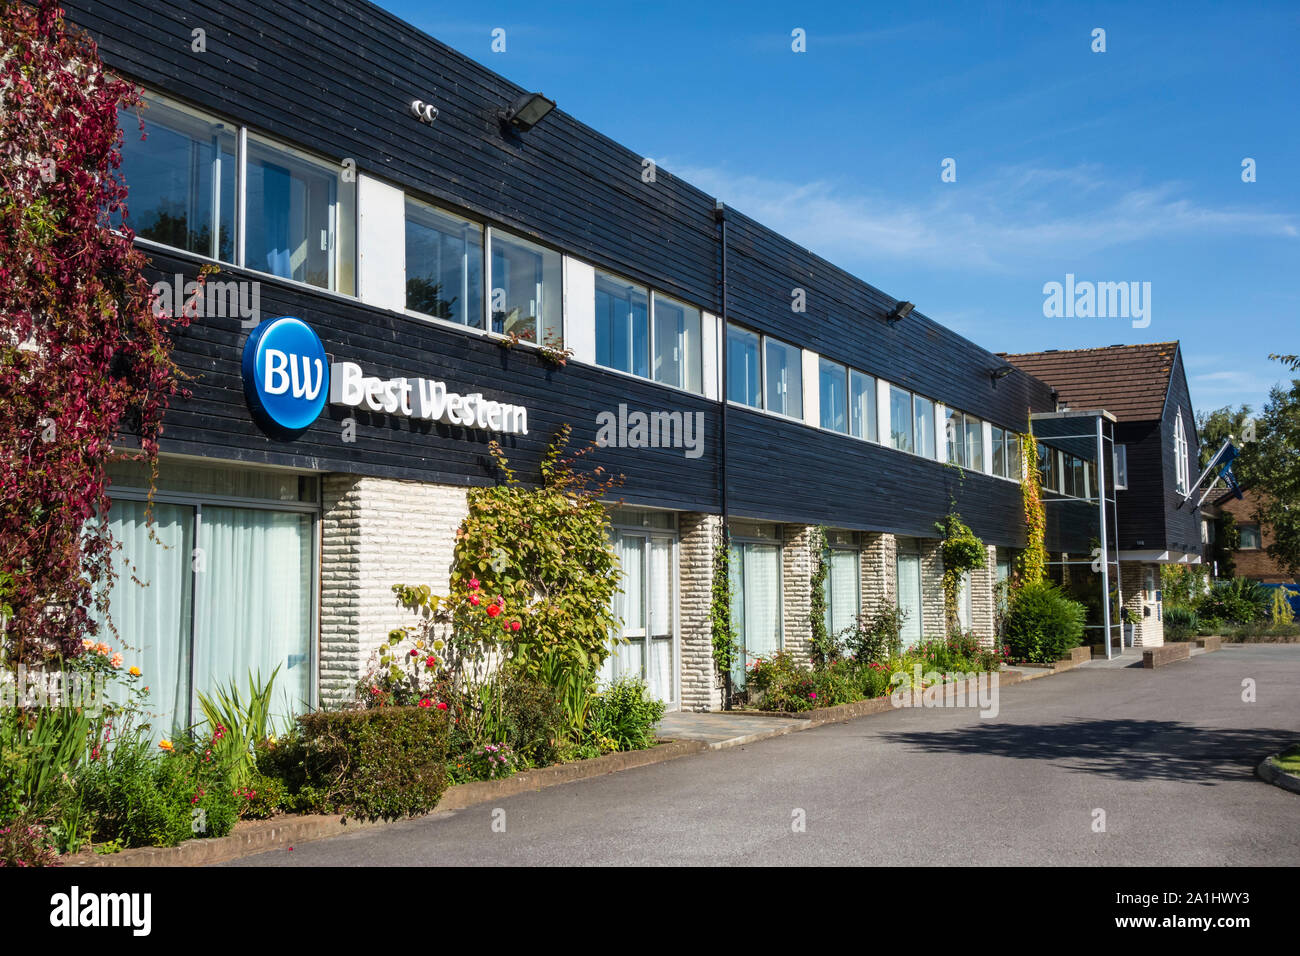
909,590
833,396
298,215
999,452
1121,467
527,290
248,607
923,413
862,406
1015,466
974,444
1250,538
1068,474
955,436
1047,470
444,265
1180,455
755,596
744,367
783,374
300,221
843,582
622,325
900,419
182,179
677,344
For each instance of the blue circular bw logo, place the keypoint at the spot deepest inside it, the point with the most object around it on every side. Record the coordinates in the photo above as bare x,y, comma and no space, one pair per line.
286,375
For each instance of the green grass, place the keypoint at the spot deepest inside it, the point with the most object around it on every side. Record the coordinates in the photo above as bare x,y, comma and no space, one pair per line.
1289,760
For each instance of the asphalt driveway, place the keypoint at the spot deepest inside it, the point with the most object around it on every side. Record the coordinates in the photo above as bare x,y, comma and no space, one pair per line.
1168,756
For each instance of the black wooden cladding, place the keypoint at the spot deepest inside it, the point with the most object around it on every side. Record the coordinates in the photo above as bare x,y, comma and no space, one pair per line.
215,420
337,77
1152,517
845,320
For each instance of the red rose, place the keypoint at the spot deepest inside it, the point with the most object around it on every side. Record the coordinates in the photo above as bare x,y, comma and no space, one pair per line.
515,625
414,652
474,599
442,705
426,702
473,584
493,610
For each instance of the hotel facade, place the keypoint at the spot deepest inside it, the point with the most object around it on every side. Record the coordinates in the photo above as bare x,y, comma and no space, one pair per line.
407,248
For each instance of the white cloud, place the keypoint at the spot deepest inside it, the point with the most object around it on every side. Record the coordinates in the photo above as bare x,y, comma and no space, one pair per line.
1022,216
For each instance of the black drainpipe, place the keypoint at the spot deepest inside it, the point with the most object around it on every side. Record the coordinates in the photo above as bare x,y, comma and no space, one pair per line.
720,216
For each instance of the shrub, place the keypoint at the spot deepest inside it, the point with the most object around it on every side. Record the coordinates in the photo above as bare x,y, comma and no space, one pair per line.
139,798
1237,601
238,724
26,843
488,762
624,714
385,763
875,637
779,683
534,719
1181,622
1042,623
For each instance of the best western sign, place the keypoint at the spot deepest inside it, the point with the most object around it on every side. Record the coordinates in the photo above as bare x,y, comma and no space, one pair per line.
287,381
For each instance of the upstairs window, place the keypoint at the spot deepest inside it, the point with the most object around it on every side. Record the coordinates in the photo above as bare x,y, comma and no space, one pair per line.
444,265
744,367
901,423
622,326
862,406
527,289
955,436
1180,456
974,443
834,400
300,218
182,179
999,452
923,414
1121,467
677,344
783,371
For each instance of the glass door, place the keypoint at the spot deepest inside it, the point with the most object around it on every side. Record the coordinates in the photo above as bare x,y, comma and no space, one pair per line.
909,592
755,603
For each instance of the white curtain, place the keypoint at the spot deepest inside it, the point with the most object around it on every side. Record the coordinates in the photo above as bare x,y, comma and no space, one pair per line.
659,670
762,599
909,596
626,661
253,603
152,616
843,580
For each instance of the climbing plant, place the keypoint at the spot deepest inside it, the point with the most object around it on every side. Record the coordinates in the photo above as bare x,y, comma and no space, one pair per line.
962,552
822,641
725,645
84,355
1033,561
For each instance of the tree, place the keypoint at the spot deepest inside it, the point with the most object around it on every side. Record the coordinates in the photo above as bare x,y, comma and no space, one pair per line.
1223,423
82,353
1271,465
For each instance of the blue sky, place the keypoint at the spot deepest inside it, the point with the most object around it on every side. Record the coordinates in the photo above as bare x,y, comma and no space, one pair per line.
1117,166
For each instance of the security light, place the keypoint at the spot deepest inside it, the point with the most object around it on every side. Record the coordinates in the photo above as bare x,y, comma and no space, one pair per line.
1001,371
901,311
528,111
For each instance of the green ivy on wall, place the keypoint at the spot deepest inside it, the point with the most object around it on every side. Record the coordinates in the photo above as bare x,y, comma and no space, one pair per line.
725,646
1033,562
962,552
822,642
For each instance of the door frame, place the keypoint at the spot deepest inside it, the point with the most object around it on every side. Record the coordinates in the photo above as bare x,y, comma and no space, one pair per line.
672,535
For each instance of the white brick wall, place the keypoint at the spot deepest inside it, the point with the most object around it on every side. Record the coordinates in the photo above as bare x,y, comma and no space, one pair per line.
375,533
933,615
1149,631
879,571
796,590
699,684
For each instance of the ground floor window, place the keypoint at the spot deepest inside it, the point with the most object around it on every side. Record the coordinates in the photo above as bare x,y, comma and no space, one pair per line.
909,590
755,593
219,589
843,581
645,609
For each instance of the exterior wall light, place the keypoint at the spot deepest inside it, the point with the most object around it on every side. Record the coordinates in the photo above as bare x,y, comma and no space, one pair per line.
527,111
901,311
424,112
1001,371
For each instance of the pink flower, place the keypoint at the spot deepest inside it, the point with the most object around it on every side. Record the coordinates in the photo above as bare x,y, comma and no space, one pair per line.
442,705
515,625
117,660
426,703
473,584
474,599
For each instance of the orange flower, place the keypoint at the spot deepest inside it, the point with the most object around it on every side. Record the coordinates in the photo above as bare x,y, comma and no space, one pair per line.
134,671
166,745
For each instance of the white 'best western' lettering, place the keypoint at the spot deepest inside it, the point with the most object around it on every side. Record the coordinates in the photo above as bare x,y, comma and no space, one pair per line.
283,372
423,399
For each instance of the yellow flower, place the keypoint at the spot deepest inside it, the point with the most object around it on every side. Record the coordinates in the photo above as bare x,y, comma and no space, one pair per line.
165,745
134,671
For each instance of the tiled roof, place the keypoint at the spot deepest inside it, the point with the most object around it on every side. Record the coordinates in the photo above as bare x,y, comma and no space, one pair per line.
1129,381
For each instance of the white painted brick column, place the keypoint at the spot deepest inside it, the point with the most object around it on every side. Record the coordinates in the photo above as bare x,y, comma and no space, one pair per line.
933,620
879,571
796,590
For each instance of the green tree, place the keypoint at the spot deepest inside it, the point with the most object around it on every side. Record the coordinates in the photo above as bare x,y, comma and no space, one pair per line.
1223,423
1271,465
